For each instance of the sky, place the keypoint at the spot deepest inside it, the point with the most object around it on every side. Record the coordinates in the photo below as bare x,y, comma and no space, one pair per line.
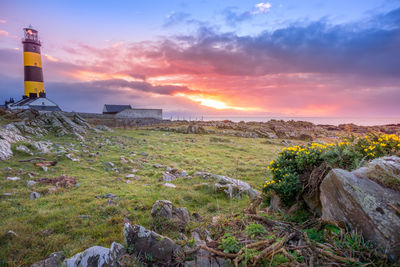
327,58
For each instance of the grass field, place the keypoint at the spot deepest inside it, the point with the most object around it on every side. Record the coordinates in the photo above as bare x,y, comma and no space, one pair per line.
54,222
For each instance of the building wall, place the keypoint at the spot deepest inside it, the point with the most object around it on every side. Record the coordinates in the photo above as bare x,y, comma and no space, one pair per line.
139,114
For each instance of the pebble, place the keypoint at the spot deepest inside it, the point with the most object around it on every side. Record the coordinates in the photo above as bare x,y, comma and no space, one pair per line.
130,176
44,168
35,195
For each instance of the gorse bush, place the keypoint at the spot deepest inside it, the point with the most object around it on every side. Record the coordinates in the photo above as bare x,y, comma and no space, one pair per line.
292,169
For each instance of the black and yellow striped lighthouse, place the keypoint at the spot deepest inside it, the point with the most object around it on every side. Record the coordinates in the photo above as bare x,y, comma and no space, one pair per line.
34,94
33,73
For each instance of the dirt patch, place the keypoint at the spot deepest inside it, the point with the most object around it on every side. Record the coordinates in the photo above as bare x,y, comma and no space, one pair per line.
62,181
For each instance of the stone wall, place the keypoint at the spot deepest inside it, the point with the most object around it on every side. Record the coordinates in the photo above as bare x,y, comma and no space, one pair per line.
140,114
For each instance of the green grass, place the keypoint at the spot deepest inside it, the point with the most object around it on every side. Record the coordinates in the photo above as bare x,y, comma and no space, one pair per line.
58,212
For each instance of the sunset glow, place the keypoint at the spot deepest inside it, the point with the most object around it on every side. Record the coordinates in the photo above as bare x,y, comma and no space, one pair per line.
237,57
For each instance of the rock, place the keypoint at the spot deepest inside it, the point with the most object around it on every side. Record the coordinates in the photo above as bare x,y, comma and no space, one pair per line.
35,195
11,233
163,250
196,129
359,201
24,149
110,164
109,195
104,128
165,215
232,187
275,203
42,146
130,176
169,185
31,183
7,194
71,157
168,177
97,257
54,260
203,258
158,166
13,178
144,154
45,169
5,150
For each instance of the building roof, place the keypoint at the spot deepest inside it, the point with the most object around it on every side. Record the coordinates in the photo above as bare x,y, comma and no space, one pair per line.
41,103
116,108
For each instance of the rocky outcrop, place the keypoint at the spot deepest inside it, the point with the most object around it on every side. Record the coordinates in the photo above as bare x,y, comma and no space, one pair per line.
97,257
362,200
165,215
54,260
163,250
232,187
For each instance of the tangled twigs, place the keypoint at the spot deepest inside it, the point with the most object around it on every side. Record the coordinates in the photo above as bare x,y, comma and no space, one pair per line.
252,245
267,252
334,256
217,252
266,220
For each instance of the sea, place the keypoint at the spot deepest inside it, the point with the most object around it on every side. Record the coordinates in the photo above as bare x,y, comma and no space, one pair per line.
362,121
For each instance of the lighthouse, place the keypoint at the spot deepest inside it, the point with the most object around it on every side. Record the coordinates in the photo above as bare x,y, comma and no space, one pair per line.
34,93
33,73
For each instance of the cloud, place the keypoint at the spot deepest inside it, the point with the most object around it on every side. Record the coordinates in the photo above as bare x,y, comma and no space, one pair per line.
263,7
3,33
175,18
302,68
3,21
232,17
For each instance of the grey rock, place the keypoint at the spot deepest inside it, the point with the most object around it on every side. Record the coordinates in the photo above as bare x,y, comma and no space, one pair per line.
97,257
24,149
71,157
54,260
13,178
158,166
104,128
110,164
35,195
31,183
163,250
130,176
5,150
232,187
45,169
169,185
163,212
356,199
42,146
144,154
168,177
11,233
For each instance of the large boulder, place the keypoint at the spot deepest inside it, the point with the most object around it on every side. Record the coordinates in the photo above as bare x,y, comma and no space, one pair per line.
144,242
97,257
363,200
166,216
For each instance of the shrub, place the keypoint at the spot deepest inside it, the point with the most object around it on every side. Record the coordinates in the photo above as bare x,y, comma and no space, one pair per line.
230,244
292,169
255,229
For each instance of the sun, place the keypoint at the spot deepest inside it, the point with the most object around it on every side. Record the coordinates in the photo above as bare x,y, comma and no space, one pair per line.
212,103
